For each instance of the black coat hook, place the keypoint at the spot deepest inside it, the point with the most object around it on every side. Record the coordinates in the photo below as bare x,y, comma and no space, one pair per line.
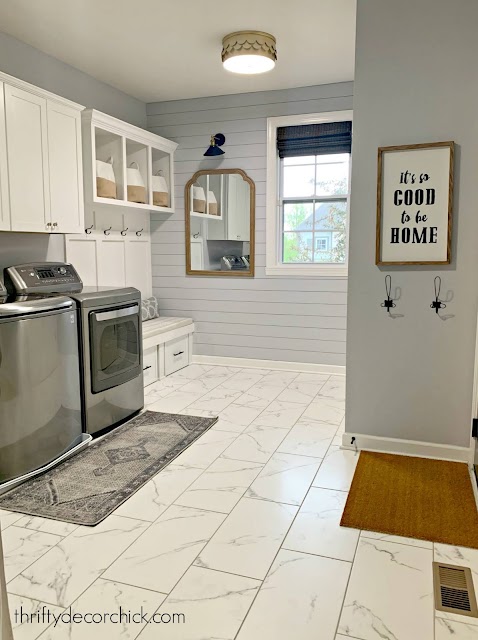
88,229
388,303
107,231
437,304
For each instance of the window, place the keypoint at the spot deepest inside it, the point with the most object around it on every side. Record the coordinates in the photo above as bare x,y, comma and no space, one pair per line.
308,193
314,194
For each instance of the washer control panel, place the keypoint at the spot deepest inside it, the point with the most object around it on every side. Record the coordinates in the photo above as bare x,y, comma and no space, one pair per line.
48,277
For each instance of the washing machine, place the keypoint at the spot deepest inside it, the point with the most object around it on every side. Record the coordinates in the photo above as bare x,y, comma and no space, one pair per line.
40,397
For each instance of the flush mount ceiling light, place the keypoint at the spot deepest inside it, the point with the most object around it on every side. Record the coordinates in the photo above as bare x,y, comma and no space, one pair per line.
249,52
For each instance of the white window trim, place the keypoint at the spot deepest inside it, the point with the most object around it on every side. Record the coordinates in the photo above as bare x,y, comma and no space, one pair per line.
274,267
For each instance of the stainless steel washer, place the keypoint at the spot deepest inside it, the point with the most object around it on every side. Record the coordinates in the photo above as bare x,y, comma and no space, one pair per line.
40,402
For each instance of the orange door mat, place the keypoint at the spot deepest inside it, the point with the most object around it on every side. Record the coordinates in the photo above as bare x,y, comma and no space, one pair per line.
413,497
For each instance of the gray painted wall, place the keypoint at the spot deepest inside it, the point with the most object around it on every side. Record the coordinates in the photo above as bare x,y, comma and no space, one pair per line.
22,61
273,318
27,63
412,377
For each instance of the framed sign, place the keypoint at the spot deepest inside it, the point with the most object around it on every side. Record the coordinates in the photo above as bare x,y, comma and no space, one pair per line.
414,204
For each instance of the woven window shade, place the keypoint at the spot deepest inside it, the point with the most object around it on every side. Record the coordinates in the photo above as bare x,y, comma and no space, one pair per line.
314,139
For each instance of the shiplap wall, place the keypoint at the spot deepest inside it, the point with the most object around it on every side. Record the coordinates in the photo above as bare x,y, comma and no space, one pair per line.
271,318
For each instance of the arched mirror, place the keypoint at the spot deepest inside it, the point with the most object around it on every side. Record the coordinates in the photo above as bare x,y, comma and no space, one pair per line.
220,223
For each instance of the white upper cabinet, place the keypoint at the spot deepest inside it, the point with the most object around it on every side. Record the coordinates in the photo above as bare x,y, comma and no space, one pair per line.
27,155
4,203
41,183
66,171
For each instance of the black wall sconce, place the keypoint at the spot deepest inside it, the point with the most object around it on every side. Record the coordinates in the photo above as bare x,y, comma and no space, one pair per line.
217,141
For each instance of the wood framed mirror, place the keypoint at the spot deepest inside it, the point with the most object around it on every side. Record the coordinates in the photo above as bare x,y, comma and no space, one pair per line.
220,223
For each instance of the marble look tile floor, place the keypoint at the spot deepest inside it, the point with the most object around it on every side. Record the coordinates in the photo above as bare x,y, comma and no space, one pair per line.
240,534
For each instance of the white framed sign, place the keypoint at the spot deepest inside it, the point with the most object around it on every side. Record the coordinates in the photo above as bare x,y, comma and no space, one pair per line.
414,204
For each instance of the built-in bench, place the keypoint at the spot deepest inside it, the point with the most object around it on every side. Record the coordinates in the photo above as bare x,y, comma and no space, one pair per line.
167,346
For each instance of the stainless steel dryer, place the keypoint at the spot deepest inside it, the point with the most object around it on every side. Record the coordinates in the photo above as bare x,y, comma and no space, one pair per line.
40,405
112,355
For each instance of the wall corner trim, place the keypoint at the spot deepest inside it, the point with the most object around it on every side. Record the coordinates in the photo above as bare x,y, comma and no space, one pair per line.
413,448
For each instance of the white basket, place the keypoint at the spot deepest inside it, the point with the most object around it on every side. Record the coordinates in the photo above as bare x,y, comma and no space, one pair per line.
105,179
199,200
135,183
160,190
213,209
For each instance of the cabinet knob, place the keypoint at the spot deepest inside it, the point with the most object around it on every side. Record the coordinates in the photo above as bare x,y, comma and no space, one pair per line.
48,225
55,224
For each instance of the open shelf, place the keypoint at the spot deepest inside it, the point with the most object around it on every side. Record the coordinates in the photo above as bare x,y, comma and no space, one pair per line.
207,216
138,157
106,138
213,185
109,149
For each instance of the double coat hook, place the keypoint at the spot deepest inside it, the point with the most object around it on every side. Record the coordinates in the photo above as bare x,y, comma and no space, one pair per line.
388,303
437,304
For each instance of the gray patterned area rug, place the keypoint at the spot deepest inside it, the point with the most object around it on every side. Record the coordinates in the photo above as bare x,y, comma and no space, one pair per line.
89,486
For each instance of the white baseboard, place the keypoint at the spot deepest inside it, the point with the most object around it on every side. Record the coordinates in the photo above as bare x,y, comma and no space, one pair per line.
405,447
279,365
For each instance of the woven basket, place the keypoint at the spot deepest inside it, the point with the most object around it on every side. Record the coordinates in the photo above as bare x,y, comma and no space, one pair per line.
199,200
105,179
136,189
213,208
160,191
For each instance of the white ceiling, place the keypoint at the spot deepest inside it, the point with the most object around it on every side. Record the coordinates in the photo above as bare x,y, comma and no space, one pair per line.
161,50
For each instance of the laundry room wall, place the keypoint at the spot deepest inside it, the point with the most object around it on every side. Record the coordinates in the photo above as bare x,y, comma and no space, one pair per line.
411,378
271,318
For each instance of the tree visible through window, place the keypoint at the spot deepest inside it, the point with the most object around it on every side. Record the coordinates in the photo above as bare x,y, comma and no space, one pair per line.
314,194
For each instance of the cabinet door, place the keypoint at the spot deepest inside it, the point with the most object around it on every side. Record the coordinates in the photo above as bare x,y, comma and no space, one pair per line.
111,262
238,222
65,165
26,126
138,264
4,204
197,254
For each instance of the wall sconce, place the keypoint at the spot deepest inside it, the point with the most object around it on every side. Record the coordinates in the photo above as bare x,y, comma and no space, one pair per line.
216,142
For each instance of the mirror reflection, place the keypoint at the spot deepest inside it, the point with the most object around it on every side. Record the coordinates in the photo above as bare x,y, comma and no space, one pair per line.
220,223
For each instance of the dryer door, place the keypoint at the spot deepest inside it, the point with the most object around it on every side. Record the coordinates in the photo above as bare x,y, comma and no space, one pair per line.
115,344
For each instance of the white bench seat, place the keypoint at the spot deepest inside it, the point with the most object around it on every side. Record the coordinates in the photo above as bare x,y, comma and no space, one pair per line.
162,325
167,346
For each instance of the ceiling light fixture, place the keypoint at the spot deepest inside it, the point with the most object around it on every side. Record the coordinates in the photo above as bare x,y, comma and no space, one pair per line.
249,52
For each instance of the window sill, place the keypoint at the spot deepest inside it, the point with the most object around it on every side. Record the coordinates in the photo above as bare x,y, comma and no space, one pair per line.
308,271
